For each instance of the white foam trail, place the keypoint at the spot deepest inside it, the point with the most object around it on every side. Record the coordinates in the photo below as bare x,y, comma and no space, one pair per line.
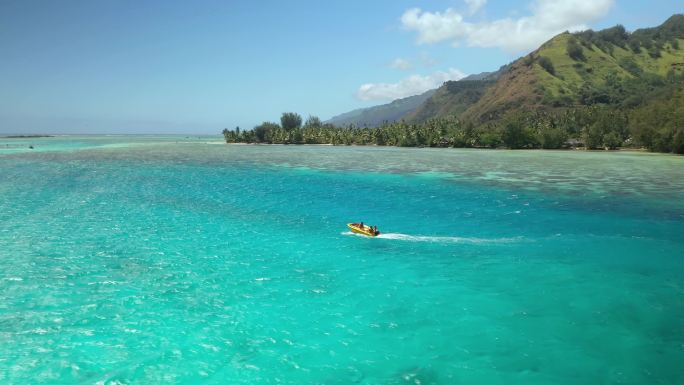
423,238
354,234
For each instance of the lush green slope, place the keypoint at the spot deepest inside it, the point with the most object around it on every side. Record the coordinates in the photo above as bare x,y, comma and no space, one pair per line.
608,67
659,123
453,98
377,115
462,93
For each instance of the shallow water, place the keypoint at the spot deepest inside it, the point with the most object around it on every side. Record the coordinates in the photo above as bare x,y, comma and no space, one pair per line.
126,261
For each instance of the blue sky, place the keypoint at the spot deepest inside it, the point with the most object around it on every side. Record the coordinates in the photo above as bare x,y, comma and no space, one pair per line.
197,67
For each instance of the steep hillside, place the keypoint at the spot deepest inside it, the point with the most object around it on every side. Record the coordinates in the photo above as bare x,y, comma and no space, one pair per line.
456,97
377,115
610,67
453,98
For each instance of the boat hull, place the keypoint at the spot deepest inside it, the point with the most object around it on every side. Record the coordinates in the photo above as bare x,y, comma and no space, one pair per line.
365,230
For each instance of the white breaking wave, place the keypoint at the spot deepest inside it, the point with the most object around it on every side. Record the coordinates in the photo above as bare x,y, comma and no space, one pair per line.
423,238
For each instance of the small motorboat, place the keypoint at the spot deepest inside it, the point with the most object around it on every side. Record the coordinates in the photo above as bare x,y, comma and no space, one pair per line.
360,228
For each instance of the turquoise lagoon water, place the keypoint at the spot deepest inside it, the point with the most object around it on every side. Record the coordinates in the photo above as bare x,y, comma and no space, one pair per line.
129,261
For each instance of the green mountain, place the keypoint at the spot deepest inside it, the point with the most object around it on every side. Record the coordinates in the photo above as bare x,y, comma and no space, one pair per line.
455,97
407,108
377,115
452,98
610,67
598,90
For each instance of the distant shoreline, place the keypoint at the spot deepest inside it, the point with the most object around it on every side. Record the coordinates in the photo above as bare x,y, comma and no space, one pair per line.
579,149
26,136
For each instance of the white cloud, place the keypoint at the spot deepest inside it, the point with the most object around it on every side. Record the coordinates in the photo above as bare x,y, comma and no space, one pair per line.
548,18
475,5
435,27
412,85
401,64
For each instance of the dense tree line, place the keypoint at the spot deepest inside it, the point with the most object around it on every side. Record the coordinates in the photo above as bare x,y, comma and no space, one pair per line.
650,40
657,127
659,123
643,112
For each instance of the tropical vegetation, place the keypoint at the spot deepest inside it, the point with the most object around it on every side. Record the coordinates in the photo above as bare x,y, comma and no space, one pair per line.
597,90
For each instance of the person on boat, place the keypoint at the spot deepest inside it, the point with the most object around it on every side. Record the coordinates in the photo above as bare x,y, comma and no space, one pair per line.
361,226
375,230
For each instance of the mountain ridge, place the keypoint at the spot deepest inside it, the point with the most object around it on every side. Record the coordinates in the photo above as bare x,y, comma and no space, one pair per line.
398,109
377,115
563,72
584,69
592,89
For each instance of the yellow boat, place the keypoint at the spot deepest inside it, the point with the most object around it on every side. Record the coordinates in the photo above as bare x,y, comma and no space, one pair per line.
360,228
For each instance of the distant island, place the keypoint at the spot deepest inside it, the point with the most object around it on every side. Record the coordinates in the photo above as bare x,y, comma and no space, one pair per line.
604,89
26,136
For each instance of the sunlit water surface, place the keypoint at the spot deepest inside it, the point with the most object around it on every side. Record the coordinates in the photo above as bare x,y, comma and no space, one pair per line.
129,260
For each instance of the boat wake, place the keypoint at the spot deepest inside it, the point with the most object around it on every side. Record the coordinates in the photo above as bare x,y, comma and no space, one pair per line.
423,238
